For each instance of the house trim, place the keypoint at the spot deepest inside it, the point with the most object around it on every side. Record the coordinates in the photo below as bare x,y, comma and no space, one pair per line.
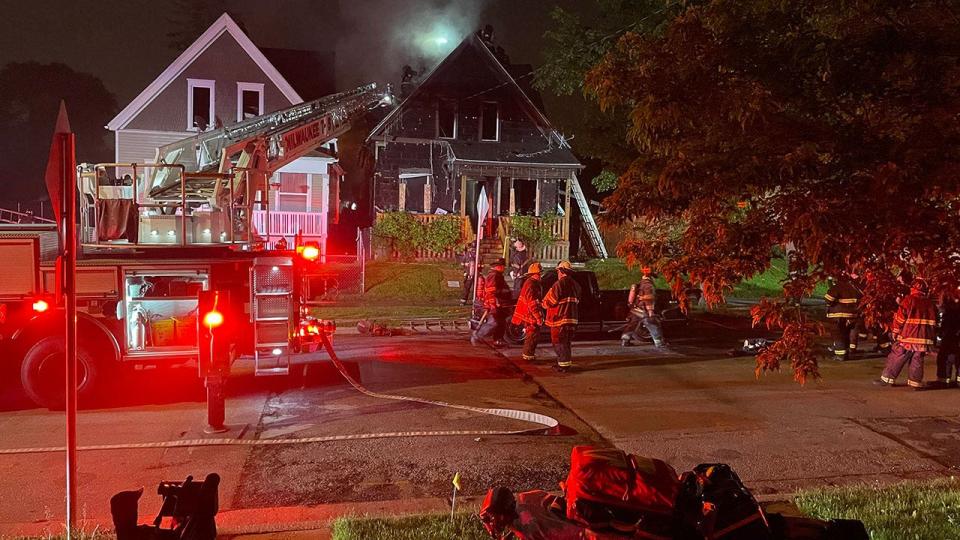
222,25
210,85
248,87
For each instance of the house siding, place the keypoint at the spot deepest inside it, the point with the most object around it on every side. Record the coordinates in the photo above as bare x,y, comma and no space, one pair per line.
141,146
223,61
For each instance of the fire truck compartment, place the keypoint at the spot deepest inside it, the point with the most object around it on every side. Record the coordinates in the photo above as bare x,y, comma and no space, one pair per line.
160,308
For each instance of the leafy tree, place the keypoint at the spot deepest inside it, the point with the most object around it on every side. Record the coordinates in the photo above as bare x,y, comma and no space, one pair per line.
30,95
828,125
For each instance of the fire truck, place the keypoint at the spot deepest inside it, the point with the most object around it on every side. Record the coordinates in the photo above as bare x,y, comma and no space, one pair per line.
152,237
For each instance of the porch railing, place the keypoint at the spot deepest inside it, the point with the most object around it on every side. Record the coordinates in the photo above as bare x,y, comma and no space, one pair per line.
288,224
557,250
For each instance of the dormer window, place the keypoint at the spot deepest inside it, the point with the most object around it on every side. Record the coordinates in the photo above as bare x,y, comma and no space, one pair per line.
200,104
447,119
249,100
489,121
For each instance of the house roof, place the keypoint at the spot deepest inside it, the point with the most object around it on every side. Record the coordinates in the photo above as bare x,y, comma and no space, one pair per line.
538,153
223,25
473,41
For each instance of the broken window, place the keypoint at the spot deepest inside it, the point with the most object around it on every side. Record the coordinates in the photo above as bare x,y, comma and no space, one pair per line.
490,122
525,196
447,119
249,100
199,104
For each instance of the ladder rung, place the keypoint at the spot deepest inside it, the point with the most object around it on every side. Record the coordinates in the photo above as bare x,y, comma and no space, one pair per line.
284,293
271,344
272,319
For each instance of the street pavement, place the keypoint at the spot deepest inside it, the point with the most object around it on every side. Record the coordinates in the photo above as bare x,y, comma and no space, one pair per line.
688,405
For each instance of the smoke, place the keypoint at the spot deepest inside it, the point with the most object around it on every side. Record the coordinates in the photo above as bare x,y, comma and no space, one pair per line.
379,37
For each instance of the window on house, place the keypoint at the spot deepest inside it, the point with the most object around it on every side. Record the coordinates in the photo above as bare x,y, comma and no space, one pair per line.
415,194
490,122
200,104
249,100
447,119
294,193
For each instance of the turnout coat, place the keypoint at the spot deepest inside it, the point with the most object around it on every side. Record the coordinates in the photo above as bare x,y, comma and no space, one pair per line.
915,323
562,302
528,305
842,300
496,291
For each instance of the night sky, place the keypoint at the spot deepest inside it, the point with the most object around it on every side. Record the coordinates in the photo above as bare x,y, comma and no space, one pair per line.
124,43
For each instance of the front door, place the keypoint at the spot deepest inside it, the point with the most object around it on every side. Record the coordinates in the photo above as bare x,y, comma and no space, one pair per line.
474,188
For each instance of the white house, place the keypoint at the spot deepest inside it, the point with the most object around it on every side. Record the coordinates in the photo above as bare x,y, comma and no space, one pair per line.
222,78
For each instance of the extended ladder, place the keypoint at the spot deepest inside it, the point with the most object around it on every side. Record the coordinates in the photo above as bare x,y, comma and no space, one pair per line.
589,224
271,311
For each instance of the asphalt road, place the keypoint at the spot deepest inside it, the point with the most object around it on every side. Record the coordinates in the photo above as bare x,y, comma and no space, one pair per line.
691,404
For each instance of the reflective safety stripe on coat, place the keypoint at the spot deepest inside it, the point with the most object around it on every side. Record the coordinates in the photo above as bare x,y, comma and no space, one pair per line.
562,302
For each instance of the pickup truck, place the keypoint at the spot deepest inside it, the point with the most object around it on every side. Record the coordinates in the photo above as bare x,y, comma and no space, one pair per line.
602,312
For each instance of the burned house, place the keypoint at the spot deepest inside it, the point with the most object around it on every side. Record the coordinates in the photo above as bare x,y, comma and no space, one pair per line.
469,128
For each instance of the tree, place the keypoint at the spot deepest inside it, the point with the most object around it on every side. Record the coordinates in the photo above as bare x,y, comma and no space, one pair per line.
577,41
30,95
828,125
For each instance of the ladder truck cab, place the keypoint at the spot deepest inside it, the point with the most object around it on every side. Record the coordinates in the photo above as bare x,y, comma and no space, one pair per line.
153,237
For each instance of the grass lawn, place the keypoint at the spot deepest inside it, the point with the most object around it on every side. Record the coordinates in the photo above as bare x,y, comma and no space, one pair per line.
914,510
614,274
429,527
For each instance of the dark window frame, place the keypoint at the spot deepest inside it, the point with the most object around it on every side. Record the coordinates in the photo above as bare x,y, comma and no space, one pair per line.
456,118
483,118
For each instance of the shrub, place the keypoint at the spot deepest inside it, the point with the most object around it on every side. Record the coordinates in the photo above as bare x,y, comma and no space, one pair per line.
535,232
402,230
442,234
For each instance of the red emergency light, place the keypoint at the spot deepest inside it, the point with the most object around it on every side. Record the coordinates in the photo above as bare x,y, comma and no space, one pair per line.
40,305
310,251
213,319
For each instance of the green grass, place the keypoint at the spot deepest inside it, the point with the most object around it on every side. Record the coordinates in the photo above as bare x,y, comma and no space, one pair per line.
415,283
390,313
614,274
911,510
430,527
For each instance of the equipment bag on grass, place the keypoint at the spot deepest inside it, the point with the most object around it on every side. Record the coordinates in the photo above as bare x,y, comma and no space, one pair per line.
714,503
608,488
535,515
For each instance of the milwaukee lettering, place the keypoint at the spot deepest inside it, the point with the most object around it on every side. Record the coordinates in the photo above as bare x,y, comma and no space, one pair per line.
312,134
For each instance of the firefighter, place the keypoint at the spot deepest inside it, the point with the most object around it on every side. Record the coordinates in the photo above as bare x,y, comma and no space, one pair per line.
642,302
948,355
913,331
519,257
842,308
528,312
496,302
562,305
468,261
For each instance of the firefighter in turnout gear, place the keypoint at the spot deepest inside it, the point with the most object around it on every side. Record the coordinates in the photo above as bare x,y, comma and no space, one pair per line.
642,303
562,304
496,302
948,354
528,312
843,309
914,332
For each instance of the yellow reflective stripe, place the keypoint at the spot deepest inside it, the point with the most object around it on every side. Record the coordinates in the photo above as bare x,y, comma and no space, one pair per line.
829,298
916,341
848,300
926,322
561,322
914,384
569,301
841,315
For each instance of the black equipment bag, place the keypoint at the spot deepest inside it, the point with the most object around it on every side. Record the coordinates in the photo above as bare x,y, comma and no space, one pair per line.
714,503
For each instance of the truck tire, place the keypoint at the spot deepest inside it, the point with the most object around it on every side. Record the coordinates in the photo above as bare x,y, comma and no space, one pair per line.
42,373
513,333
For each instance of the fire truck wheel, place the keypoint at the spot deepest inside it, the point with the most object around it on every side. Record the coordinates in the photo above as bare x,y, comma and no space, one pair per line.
513,334
42,376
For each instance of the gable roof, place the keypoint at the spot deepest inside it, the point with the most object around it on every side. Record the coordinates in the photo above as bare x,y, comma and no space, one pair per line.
472,41
224,24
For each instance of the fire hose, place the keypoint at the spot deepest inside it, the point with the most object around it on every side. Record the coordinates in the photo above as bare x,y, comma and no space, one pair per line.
545,424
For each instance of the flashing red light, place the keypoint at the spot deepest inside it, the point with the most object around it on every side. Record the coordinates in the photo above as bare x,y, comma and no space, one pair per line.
310,252
40,306
213,319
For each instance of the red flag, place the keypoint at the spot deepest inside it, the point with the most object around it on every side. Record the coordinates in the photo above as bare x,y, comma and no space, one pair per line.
54,164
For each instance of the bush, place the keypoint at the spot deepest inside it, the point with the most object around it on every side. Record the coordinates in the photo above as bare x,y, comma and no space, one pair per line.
406,234
443,233
403,231
535,232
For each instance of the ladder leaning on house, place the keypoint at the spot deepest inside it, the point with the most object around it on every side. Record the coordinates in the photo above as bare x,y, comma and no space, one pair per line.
589,224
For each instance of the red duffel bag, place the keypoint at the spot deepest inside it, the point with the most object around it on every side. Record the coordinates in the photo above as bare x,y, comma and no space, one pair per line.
608,488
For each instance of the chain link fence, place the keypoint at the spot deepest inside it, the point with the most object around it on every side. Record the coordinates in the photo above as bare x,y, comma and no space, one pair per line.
341,277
